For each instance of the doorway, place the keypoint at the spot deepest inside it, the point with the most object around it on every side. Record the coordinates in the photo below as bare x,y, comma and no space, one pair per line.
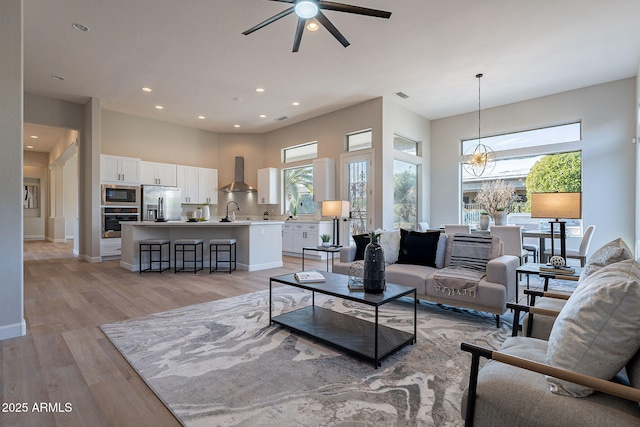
357,187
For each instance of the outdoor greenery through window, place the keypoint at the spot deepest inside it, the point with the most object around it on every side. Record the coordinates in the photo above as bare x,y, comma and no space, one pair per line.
510,184
405,195
298,191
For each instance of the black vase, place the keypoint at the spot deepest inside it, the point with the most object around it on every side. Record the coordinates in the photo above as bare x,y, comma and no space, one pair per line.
374,277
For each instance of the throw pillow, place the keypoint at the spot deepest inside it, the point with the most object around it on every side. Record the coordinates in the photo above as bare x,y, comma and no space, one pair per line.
362,240
598,330
614,251
441,251
390,242
471,251
418,248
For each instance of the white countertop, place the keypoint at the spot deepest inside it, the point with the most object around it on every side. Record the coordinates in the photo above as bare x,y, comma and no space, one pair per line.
212,223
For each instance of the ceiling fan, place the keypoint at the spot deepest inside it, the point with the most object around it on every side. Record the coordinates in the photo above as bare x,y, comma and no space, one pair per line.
309,9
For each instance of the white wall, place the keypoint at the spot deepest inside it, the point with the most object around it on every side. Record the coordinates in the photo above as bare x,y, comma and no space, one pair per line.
70,191
608,116
12,323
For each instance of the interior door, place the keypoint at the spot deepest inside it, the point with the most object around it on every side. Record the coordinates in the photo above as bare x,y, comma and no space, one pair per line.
357,187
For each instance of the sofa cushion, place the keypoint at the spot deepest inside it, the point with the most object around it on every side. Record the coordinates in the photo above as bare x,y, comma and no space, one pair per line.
598,330
362,240
409,275
442,249
418,248
614,251
390,242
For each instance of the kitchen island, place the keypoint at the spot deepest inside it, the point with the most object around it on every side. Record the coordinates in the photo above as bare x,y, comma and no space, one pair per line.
259,243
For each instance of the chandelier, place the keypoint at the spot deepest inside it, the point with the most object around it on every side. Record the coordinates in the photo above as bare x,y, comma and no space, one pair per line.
481,159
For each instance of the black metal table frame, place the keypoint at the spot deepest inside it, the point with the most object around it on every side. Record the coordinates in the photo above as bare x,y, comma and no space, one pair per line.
329,250
404,338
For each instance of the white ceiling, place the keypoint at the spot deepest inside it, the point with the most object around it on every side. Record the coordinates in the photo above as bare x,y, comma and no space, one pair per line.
195,58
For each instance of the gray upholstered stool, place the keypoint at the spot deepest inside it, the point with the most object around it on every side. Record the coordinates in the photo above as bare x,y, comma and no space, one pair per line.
534,249
185,246
222,246
154,247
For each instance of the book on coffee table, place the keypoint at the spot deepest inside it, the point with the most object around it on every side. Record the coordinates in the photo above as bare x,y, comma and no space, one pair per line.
309,277
557,270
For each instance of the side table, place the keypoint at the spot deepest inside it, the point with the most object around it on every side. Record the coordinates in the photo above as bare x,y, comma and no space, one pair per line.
534,268
330,250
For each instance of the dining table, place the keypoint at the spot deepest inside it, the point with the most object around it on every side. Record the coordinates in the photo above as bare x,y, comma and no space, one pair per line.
542,236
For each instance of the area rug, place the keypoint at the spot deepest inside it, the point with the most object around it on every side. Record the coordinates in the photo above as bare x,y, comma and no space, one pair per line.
221,364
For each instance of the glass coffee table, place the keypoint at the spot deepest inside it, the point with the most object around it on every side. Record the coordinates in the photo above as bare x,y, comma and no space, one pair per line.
534,268
362,338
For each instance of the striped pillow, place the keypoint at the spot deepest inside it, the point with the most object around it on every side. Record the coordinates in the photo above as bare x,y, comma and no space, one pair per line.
471,251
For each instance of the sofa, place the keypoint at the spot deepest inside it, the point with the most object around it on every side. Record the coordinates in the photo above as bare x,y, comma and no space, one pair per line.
415,259
583,370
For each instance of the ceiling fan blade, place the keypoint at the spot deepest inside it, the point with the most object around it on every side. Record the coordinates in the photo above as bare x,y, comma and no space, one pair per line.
299,30
269,21
332,29
285,1
340,7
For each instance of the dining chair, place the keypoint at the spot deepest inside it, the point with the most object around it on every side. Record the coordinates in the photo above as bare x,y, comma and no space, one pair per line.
511,236
581,252
457,228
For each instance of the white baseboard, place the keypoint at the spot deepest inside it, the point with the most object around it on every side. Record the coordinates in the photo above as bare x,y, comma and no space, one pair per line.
33,237
90,259
14,330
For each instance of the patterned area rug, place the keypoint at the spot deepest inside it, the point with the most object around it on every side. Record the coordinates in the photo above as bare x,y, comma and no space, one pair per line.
221,363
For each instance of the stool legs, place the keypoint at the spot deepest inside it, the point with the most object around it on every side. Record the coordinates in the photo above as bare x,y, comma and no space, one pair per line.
151,249
224,248
183,249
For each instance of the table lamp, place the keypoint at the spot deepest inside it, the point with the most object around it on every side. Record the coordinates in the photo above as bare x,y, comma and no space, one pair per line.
337,209
557,205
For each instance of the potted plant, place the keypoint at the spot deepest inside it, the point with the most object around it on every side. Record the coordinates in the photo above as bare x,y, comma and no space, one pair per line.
495,197
484,220
326,240
265,215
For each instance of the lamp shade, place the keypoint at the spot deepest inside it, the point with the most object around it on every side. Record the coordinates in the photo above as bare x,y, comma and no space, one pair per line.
556,205
335,208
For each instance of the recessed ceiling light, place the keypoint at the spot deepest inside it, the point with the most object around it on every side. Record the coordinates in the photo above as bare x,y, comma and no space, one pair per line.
237,98
29,146
262,116
80,27
259,89
34,136
296,103
57,78
147,89
201,117
236,126
159,107
312,26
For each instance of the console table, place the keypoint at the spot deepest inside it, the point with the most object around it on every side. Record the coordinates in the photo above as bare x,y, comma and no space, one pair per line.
368,340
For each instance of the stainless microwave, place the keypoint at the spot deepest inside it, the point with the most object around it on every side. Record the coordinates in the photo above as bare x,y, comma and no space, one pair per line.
120,195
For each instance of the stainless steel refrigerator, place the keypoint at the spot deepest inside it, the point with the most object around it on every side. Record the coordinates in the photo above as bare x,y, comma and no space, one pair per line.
161,202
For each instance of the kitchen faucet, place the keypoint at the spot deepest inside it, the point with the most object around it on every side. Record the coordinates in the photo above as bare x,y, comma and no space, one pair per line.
226,218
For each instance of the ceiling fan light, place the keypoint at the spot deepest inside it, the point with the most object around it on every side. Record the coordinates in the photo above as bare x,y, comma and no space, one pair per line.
306,9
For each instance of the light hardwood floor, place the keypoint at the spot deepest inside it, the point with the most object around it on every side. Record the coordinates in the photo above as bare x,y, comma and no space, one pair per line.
65,359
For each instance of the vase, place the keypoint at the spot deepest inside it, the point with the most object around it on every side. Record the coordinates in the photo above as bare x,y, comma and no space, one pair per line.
206,213
484,222
374,276
500,218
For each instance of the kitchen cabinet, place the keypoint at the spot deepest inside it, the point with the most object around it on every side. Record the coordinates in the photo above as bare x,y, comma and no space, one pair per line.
152,173
324,179
187,181
110,247
123,170
207,186
299,234
268,186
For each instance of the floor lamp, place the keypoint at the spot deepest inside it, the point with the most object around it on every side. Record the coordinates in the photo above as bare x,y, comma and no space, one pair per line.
336,209
557,205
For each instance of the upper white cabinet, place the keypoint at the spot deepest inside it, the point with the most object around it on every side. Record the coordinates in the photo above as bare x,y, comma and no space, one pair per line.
207,186
152,173
324,179
187,180
268,186
119,169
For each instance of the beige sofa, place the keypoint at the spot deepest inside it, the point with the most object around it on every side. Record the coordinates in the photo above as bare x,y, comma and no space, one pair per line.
494,290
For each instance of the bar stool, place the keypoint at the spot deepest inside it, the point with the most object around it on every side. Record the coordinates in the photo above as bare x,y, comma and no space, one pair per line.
185,246
222,246
151,247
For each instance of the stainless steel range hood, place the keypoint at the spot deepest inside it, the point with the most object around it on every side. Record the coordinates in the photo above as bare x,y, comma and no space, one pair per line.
238,186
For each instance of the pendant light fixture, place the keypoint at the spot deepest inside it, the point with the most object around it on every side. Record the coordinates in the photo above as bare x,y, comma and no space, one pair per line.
481,159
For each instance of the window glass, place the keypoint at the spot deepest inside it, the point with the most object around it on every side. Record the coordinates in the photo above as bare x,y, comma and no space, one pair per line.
530,138
359,140
300,152
405,195
405,145
298,191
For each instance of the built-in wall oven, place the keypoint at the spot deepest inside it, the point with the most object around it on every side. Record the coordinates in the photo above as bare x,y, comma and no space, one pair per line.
111,217
120,195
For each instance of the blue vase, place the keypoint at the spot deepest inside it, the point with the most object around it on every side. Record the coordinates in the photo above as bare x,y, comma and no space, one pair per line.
374,276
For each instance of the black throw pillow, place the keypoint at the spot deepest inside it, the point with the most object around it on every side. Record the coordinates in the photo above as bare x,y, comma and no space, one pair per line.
418,248
362,240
